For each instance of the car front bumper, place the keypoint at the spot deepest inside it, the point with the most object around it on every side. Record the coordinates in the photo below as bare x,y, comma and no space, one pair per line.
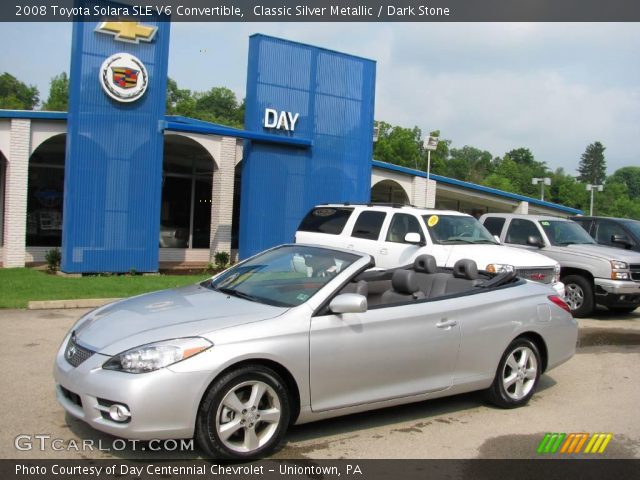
163,404
620,293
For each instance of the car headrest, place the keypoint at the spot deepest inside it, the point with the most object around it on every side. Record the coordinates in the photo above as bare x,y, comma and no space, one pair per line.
404,281
464,268
425,264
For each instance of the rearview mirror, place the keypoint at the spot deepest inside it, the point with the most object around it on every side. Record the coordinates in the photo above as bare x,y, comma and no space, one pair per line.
535,241
413,238
349,303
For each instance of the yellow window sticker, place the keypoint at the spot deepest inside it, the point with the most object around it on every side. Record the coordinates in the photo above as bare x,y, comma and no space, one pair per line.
433,220
546,224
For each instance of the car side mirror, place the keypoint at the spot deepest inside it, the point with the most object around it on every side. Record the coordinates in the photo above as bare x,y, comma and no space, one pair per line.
497,239
535,241
413,238
621,239
348,303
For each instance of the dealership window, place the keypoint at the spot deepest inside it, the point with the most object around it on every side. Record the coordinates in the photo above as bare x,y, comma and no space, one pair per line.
45,192
185,216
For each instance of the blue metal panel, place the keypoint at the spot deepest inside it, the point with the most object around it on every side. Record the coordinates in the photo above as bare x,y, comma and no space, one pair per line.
113,169
334,95
33,114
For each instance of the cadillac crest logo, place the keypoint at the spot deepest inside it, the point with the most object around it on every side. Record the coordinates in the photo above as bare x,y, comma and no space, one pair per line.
124,77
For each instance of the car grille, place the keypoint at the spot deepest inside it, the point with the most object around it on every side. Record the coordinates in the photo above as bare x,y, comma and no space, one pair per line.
635,271
75,354
541,275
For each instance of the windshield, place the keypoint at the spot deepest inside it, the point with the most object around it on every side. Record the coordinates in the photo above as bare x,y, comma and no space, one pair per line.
634,226
563,233
452,229
285,277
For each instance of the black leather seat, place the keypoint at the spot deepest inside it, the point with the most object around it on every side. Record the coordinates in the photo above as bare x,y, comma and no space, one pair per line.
465,277
404,288
429,280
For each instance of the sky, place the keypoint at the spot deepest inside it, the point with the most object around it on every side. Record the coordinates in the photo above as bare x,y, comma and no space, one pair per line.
551,87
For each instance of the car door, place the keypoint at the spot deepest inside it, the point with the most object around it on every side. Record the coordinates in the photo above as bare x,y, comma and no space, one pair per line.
606,229
519,231
394,251
383,353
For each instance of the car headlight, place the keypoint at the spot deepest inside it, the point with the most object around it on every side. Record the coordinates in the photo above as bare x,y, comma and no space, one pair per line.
499,268
153,356
620,270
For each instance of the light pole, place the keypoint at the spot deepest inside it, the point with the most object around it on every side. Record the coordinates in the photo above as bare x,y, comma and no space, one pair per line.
542,181
593,188
429,144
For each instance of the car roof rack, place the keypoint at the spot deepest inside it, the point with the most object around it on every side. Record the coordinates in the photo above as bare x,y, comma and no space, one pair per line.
372,204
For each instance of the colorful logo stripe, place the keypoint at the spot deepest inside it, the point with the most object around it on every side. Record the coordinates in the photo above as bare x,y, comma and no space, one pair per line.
574,443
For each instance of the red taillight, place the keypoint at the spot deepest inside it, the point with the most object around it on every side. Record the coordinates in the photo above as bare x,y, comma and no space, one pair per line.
559,302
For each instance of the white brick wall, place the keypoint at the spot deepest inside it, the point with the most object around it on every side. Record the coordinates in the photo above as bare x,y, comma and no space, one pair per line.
222,196
13,252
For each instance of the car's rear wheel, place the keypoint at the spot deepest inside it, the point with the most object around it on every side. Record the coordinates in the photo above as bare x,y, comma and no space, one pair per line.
517,375
244,414
579,295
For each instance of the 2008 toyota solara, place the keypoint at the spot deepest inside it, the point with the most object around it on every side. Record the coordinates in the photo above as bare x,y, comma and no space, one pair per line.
301,333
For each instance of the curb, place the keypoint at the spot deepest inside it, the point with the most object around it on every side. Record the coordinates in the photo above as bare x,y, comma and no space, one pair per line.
79,303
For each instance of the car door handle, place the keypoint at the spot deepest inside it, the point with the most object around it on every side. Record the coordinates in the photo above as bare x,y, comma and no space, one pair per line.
444,323
384,251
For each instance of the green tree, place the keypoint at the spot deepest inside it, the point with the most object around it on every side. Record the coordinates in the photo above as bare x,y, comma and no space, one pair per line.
593,167
469,163
399,145
219,105
179,101
58,94
15,94
630,176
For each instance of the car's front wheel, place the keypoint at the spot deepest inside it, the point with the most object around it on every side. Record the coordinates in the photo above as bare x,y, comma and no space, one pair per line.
517,375
244,414
579,295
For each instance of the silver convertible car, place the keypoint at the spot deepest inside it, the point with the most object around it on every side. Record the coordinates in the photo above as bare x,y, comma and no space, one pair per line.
301,333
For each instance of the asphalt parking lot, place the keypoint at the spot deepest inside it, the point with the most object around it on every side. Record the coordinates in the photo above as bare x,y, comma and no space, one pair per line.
597,391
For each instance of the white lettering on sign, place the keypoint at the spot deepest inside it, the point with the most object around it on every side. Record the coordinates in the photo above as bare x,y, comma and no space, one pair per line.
280,120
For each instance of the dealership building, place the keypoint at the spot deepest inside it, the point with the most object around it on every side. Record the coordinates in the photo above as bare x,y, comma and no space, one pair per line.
142,190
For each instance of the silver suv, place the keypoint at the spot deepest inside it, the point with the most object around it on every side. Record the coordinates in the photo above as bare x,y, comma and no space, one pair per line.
592,274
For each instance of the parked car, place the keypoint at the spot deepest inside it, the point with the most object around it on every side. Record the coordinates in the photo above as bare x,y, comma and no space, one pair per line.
302,333
614,232
396,235
173,237
592,274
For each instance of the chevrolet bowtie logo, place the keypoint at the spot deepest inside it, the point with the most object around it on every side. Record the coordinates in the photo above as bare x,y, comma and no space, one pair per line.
131,32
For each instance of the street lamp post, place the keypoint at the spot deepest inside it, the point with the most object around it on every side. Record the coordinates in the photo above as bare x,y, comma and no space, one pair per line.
592,188
429,144
542,181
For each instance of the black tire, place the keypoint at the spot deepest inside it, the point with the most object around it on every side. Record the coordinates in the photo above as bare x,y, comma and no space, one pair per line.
621,310
213,414
506,395
579,295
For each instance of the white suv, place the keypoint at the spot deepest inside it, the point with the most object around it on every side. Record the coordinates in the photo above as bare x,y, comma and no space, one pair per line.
396,235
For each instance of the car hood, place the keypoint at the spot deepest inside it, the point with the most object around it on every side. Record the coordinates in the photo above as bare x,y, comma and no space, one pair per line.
484,254
181,312
598,251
